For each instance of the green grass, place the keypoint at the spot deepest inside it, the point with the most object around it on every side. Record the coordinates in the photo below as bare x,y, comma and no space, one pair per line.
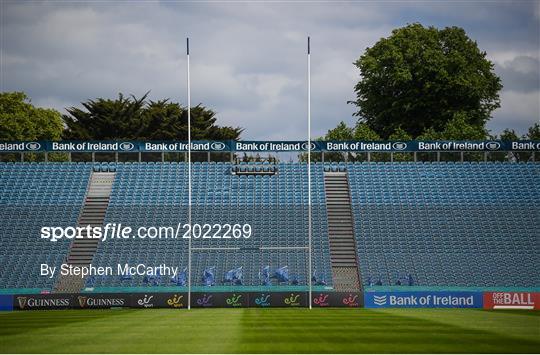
270,331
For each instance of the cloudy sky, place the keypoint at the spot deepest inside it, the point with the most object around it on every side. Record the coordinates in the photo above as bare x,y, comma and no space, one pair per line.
248,58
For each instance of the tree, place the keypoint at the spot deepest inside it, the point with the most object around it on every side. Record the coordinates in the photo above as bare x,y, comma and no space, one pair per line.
20,120
456,129
534,132
106,119
364,133
340,133
509,135
419,78
132,118
400,135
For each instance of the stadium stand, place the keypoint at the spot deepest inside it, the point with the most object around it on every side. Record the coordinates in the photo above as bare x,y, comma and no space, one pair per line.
155,194
447,224
439,224
34,195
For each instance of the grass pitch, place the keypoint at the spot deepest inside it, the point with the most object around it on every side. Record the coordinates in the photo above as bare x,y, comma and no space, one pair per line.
270,331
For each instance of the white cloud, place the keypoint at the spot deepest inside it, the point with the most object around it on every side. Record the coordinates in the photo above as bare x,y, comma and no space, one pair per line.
518,111
505,57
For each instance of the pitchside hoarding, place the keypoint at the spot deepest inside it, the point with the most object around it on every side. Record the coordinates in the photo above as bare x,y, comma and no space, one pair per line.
219,300
178,300
6,302
102,300
512,300
423,299
337,299
43,301
159,300
278,299
267,146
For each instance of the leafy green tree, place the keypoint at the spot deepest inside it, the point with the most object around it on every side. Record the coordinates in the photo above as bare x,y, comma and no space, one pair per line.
20,120
457,128
509,135
133,118
359,132
419,78
429,135
340,133
400,135
534,132
460,128
364,133
102,119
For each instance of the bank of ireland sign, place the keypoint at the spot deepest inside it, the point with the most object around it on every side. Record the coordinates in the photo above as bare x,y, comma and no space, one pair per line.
423,299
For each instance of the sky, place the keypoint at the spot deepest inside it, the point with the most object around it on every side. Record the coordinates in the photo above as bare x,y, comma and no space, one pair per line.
248,59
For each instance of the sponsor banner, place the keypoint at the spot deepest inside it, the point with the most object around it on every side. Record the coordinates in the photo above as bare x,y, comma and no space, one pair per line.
423,299
43,301
428,146
512,300
102,300
137,146
92,146
20,146
457,146
365,146
268,146
337,299
274,146
6,302
206,300
178,146
178,300
236,300
159,300
219,299
114,146
278,299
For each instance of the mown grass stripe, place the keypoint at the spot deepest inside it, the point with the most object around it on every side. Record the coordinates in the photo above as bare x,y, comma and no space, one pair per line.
269,331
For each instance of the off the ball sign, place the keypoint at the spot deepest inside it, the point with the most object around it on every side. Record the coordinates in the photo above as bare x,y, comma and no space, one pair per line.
511,300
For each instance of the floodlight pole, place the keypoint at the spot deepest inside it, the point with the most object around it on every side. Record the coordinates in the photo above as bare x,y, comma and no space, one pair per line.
189,173
309,166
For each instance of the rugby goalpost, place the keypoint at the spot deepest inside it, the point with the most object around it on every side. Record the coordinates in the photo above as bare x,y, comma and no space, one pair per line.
309,246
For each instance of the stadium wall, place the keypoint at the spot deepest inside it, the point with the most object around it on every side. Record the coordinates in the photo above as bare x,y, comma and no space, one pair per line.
453,299
178,300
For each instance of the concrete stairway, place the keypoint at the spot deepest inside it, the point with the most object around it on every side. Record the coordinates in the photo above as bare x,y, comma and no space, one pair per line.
82,251
341,232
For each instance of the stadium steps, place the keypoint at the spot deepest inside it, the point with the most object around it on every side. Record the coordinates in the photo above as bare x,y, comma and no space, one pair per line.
82,251
341,232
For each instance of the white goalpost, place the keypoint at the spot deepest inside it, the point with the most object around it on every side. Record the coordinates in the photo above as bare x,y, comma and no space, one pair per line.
309,246
189,172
